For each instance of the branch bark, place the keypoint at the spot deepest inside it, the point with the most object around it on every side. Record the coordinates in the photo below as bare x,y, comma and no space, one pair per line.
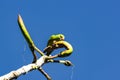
23,70
34,66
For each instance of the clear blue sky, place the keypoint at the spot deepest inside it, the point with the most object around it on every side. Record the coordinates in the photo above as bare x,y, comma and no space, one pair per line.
91,26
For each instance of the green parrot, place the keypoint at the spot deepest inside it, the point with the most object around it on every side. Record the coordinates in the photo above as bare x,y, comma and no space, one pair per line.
51,41
55,42
57,37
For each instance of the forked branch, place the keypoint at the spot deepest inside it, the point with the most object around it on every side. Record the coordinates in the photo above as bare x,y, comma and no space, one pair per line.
34,66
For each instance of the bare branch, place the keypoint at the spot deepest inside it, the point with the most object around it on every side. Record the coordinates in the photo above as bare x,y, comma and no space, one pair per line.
34,66
23,70
44,73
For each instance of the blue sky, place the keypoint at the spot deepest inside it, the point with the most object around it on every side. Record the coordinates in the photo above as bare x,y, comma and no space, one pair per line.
91,26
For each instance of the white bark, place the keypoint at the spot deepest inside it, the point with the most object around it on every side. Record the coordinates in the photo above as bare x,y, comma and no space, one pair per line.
23,70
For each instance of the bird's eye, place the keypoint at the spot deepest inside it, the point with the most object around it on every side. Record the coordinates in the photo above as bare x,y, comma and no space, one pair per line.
61,37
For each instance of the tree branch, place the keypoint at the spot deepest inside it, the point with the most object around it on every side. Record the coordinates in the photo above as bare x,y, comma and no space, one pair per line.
23,70
34,66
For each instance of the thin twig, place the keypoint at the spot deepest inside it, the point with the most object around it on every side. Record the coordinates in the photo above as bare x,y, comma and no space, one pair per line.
44,73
